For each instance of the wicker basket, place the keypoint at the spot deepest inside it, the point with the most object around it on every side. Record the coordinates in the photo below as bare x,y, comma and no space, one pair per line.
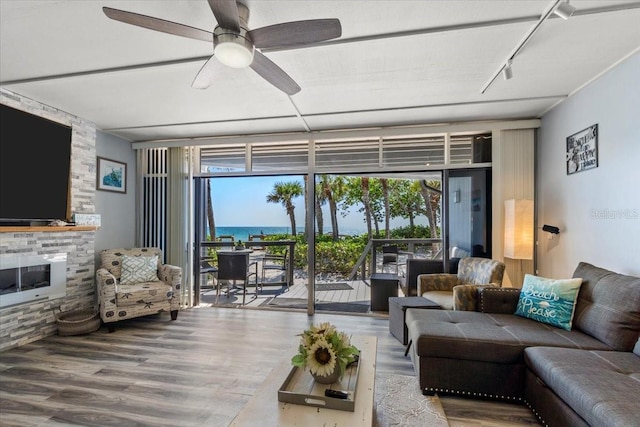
78,322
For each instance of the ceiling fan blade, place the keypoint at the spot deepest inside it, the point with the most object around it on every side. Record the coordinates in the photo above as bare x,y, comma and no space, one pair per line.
226,13
269,71
296,33
205,75
158,24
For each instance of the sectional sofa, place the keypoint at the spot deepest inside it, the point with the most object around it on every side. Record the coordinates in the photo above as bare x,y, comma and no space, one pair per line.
588,375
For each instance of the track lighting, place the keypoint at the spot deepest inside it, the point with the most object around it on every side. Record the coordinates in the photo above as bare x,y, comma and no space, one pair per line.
560,8
564,10
507,72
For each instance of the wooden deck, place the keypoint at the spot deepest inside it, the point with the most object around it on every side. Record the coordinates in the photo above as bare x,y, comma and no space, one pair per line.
359,294
274,295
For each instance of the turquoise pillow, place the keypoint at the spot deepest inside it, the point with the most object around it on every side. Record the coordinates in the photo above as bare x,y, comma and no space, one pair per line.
550,301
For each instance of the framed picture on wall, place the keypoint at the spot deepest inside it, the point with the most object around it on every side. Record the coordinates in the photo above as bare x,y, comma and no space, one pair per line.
111,175
582,150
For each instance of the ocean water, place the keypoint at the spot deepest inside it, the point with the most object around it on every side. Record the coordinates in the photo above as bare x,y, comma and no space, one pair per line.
243,232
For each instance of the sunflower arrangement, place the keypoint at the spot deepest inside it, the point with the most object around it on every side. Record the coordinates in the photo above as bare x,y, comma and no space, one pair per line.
324,349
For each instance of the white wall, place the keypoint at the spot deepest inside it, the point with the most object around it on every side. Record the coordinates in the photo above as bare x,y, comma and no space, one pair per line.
597,210
117,210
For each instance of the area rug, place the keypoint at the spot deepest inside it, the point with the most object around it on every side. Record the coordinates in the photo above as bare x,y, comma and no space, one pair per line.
301,303
335,286
400,403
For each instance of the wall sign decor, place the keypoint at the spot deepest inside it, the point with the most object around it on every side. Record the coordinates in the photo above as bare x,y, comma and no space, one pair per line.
111,175
582,150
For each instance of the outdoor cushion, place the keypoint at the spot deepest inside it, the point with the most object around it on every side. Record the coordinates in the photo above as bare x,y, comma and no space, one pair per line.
550,301
600,386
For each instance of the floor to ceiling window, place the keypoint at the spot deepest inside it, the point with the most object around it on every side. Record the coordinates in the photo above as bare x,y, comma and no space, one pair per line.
398,173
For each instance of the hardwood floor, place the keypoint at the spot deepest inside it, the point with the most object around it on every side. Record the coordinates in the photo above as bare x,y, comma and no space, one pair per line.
197,371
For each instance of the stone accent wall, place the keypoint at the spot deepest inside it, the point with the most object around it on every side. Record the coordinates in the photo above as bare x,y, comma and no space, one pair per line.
28,322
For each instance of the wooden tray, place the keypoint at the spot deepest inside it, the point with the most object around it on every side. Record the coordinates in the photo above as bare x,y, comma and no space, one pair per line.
300,388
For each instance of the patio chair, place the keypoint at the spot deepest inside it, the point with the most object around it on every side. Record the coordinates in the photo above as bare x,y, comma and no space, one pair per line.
390,256
206,267
237,266
279,263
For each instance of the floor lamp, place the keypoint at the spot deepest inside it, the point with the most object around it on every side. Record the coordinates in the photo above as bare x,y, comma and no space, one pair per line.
518,233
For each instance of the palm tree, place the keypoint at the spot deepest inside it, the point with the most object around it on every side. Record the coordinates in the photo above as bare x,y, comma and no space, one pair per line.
210,216
320,200
284,193
387,210
366,201
333,189
431,194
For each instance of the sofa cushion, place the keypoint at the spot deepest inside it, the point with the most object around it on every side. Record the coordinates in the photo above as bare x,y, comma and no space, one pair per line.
600,386
498,338
138,269
550,301
608,306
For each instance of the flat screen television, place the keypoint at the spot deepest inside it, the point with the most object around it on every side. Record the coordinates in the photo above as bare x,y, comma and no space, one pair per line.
35,165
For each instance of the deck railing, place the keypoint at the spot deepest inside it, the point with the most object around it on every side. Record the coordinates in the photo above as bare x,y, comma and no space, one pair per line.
433,250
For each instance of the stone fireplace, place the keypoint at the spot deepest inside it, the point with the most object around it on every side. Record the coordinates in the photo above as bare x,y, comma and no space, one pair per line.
22,322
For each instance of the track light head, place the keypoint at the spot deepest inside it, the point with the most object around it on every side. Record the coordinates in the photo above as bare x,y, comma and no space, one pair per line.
507,72
564,10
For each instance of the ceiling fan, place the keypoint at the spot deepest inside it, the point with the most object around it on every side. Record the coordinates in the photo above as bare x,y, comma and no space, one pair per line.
235,45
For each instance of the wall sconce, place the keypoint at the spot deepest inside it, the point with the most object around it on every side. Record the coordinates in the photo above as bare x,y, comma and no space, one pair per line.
551,229
518,229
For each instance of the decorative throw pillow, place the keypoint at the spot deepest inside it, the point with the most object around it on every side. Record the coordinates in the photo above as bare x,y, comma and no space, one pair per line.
550,301
138,269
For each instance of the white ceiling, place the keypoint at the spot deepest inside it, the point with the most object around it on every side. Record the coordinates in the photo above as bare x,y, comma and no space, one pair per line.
397,63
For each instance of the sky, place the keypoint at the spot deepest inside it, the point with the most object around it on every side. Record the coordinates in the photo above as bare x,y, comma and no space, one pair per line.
242,201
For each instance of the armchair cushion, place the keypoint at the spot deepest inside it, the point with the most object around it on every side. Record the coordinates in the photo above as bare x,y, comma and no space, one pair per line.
111,259
138,269
438,288
146,293
437,282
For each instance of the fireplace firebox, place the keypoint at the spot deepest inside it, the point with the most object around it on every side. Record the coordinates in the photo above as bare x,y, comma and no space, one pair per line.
30,278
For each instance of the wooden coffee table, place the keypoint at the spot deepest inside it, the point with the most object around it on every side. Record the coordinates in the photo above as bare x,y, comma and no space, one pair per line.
264,409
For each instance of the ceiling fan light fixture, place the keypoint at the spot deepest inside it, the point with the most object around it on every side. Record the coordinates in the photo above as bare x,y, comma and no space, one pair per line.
564,10
234,55
233,50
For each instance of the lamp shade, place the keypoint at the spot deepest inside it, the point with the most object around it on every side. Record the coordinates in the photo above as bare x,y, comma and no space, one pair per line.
518,229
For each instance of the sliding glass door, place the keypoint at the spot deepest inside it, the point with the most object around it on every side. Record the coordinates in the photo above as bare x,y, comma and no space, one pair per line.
468,213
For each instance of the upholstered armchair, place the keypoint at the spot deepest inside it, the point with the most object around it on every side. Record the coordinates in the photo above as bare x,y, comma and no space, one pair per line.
459,291
134,282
